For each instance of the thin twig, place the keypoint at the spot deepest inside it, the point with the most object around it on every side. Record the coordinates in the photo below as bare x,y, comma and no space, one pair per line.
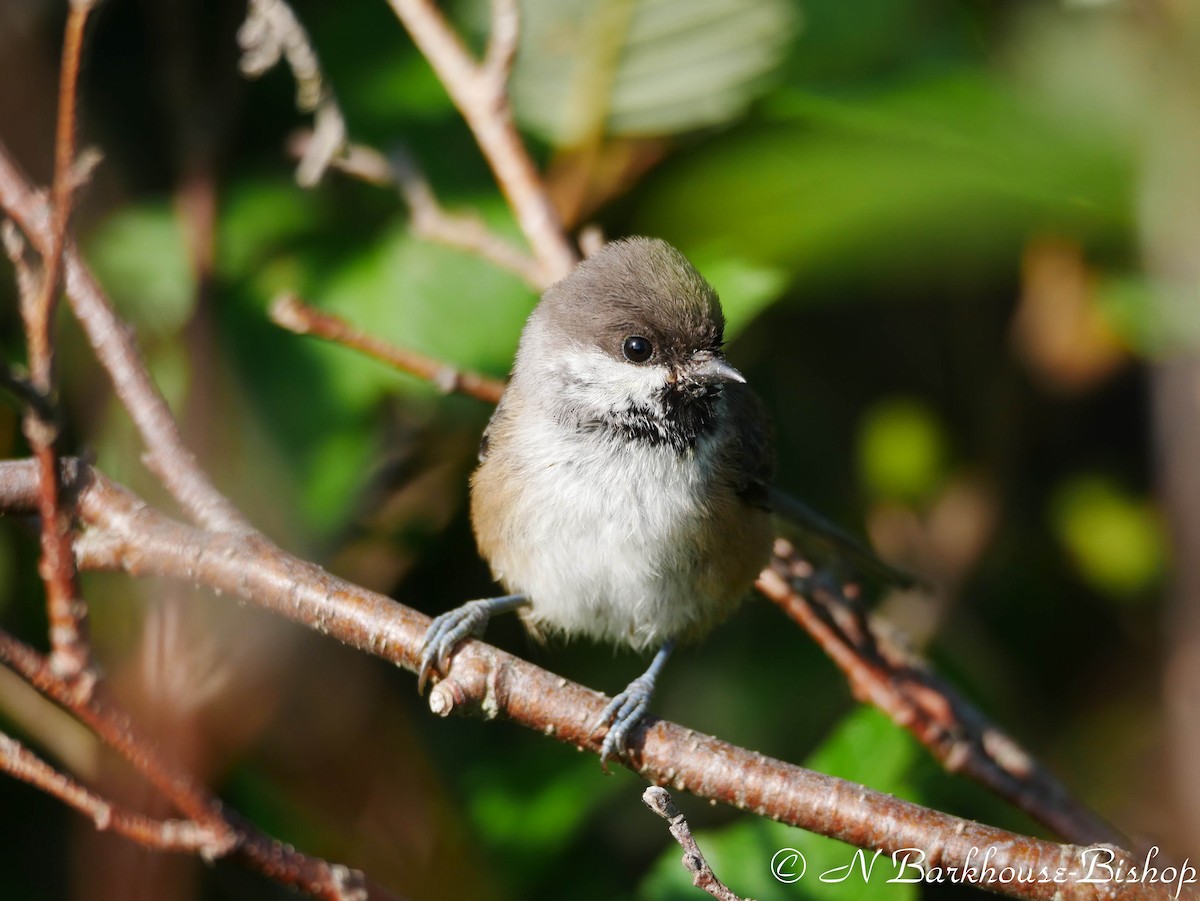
480,91
293,314
163,835
166,454
226,834
955,732
118,733
658,799
428,219
65,608
124,533
272,32
461,230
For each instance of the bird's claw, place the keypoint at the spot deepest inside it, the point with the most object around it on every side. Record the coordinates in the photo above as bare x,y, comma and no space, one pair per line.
621,715
444,633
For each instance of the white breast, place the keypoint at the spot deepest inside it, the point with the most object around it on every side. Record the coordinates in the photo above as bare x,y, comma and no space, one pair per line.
602,534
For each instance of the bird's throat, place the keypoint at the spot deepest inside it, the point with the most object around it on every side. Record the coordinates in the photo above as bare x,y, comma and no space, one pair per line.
677,421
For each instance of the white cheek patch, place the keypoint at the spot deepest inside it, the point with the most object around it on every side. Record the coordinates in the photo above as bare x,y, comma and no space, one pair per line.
595,381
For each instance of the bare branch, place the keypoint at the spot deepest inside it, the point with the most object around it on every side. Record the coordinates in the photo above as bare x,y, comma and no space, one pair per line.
502,43
956,733
480,91
462,230
272,32
123,533
163,835
428,219
223,834
65,608
293,314
658,799
166,454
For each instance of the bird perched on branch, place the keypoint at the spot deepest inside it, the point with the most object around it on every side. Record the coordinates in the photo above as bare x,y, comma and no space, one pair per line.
622,491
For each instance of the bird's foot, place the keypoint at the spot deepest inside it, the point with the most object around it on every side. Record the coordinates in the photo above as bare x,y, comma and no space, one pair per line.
451,627
628,708
621,715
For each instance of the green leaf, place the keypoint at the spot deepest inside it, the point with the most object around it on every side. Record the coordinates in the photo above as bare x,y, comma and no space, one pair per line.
938,179
441,302
643,67
901,449
745,287
140,255
1115,539
867,748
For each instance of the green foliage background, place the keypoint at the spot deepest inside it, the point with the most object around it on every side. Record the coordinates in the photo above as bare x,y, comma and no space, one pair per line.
860,180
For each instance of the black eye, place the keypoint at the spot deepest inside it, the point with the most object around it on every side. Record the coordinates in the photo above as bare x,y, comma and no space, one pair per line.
637,349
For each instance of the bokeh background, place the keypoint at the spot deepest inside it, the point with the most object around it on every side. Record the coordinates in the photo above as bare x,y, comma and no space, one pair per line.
958,244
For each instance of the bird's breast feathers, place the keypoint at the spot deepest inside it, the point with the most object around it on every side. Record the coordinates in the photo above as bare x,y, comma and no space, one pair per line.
625,540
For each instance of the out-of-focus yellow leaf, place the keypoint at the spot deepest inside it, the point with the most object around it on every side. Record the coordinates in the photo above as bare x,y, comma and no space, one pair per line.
901,449
1114,538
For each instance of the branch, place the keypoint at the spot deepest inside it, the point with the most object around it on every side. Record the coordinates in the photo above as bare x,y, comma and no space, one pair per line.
166,454
272,32
224,834
65,607
461,230
956,733
480,91
428,219
124,533
658,799
162,835
293,314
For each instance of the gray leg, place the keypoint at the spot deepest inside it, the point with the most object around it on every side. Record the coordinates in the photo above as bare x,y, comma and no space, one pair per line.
451,627
627,709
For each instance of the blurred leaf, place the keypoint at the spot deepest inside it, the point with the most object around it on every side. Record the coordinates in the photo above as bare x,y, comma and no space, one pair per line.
139,254
322,401
901,449
936,180
538,819
874,40
644,67
1154,319
438,301
745,287
1115,539
260,218
867,748
1060,329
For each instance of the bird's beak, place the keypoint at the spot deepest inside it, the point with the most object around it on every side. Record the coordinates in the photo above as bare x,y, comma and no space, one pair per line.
709,368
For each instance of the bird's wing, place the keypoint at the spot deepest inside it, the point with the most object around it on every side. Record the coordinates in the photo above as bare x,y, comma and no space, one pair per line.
753,447
841,543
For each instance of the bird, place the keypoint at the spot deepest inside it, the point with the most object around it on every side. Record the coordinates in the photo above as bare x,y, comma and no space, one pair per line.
623,492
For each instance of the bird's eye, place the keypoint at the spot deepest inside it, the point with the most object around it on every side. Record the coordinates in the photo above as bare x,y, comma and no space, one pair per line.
637,349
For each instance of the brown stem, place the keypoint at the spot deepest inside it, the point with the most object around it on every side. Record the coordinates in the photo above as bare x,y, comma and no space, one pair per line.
956,733
65,607
658,799
224,834
293,314
163,835
480,91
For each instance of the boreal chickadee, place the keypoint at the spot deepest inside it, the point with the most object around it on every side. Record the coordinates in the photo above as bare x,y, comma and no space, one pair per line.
622,484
